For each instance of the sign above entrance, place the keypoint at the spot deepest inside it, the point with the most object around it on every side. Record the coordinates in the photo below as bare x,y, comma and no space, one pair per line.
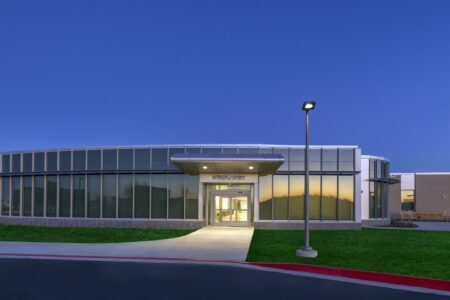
229,178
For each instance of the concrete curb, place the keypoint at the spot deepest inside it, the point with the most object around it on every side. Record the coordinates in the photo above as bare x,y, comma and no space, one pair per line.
393,281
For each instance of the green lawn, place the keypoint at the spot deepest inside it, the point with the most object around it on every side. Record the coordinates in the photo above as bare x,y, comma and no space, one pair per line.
408,252
84,235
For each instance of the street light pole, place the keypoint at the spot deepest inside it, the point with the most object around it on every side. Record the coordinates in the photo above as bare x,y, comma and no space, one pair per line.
307,250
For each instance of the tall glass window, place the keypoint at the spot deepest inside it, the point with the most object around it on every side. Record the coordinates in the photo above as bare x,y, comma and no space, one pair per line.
110,160
16,163
93,196
159,196
79,196
94,162
407,200
27,162
378,200
285,153
79,160
192,183
329,197
265,197
64,196
125,196
125,159
5,196
176,196
27,196
109,196
314,197
371,199
346,197
173,151
65,160
296,159
281,197
159,159
15,196
142,196
6,164
39,159
329,159
346,159
51,196
39,182
296,196
314,158
142,159
52,161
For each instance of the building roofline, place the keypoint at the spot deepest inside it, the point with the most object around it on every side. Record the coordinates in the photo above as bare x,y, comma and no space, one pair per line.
375,157
420,173
180,146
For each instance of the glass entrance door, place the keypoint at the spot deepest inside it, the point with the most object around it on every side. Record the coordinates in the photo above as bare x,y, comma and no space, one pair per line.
231,210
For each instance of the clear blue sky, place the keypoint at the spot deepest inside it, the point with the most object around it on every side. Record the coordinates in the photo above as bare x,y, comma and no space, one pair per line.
87,73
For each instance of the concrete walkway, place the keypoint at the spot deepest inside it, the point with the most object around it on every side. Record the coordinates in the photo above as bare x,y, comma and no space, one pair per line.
441,226
214,243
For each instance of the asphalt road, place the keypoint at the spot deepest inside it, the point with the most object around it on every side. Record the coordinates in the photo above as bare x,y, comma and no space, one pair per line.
51,279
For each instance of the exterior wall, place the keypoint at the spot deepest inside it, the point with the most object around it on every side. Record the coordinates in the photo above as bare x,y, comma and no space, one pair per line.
364,189
82,222
314,225
433,193
394,200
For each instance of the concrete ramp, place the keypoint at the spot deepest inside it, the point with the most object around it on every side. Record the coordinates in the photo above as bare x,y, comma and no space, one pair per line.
213,243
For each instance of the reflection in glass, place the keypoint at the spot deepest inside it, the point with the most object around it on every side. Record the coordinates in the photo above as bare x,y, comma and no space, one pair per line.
125,196
109,196
173,151
285,153
51,196
212,151
346,197
296,159
110,160
265,197
329,159
297,196
64,196
378,200
280,197
39,162
142,159
5,196
79,196
27,162
192,197
125,159
329,197
65,160
94,162
314,159
93,196
79,160
6,163
159,159
346,159
407,200
159,196
248,150
15,196
371,199
229,150
176,196
52,161
142,196
314,197
39,183
27,195
16,163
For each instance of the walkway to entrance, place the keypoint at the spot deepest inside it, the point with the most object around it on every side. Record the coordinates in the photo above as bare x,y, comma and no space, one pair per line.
215,243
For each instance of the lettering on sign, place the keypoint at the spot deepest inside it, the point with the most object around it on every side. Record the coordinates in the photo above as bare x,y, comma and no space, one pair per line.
228,177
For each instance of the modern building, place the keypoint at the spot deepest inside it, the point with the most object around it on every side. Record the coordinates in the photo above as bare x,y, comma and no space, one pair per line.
422,195
190,186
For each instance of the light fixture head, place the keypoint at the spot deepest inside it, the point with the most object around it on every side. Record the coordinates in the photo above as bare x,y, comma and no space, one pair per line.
205,167
251,167
309,105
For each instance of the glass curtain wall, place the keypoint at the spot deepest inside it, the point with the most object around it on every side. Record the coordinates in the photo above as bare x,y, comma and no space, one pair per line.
27,196
142,196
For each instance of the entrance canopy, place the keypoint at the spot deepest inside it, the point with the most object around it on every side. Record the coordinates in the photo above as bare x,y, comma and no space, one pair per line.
194,164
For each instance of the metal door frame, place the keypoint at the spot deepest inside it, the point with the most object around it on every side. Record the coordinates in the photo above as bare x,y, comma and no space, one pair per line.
230,193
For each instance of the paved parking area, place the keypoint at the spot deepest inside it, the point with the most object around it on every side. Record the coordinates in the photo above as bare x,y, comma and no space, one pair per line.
443,226
214,243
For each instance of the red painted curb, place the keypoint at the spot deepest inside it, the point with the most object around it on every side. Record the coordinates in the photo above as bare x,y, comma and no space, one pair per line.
436,284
